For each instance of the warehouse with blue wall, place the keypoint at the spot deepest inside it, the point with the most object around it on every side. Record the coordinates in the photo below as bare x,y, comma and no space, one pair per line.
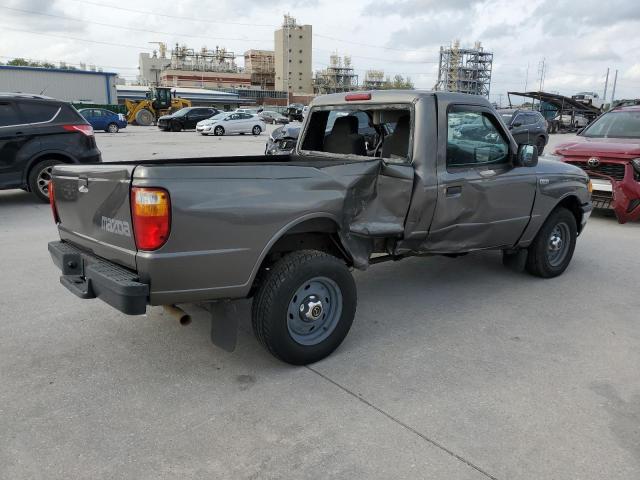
69,85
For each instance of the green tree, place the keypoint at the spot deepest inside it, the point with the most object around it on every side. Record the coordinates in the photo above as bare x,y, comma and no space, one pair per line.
18,62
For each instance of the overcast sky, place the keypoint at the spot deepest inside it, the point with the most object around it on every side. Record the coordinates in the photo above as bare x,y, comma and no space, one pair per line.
578,39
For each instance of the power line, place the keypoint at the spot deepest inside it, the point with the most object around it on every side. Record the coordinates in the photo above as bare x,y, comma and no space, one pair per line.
111,44
208,20
111,25
177,17
75,19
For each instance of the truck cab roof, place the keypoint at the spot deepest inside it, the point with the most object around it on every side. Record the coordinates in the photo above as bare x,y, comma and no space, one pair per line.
396,96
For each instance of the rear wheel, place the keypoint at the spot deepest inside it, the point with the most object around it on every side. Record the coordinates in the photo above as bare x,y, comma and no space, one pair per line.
144,117
112,128
39,178
540,143
552,250
304,306
218,131
256,130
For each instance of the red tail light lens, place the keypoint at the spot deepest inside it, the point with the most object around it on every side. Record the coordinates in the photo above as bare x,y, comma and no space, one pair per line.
151,214
354,97
82,128
52,202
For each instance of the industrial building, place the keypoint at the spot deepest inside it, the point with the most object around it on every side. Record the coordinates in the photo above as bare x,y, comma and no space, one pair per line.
338,77
260,64
293,57
86,86
373,80
465,70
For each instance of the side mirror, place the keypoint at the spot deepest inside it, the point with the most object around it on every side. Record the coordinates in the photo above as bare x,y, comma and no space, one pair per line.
527,156
517,124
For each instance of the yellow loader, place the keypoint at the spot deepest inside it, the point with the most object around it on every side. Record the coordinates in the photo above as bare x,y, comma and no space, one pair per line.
159,102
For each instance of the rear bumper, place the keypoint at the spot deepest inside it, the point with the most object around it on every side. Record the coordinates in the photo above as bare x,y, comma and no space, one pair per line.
88,276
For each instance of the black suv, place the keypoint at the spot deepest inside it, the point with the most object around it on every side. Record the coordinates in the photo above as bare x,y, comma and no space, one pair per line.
527,127
185,118
37,133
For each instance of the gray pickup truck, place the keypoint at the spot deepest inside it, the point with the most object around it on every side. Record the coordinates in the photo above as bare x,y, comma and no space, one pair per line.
287,230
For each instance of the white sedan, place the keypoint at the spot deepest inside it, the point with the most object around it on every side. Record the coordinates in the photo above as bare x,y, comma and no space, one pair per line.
231,122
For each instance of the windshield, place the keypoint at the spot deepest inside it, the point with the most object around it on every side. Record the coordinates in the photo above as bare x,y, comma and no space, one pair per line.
615,125
181,112
219,116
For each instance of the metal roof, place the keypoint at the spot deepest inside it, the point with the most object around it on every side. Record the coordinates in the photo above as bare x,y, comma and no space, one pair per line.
559,101
56,70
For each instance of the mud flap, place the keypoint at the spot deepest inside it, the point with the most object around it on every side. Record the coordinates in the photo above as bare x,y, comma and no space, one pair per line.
376,206
224,324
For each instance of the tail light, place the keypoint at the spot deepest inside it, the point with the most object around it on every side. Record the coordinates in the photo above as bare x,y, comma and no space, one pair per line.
151,215
82,128
353,97
52,202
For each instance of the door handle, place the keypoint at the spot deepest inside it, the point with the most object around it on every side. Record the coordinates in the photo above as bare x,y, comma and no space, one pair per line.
19,134
454,191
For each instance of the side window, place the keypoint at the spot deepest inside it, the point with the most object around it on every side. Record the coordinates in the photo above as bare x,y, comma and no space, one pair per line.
473,139
8,115
38,112
519,119
531,119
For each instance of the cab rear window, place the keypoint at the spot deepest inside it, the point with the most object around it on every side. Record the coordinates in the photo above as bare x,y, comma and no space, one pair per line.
367,131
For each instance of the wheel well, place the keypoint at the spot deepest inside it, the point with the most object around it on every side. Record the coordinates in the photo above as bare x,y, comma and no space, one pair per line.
572,204
47,156
314,234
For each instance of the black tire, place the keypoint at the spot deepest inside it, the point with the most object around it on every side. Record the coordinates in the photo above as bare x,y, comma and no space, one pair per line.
144,117
112,128
272,303
256,130
39,178
540,143
218,131
176,126
543,259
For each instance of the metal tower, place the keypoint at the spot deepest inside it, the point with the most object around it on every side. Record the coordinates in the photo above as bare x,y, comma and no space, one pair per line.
465,70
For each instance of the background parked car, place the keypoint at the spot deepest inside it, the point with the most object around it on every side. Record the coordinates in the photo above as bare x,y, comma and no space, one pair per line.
234,122
294,112
528,127
273,117
283,140
37,133
101,119
186,118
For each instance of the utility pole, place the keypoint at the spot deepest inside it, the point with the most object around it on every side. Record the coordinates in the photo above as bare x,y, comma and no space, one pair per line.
500,100
526,80
613,90
606,84
542,70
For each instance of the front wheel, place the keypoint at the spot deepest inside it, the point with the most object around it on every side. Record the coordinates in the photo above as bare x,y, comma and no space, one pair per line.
304,306
256,130
552,249
39,178
176,127
218,131
112,128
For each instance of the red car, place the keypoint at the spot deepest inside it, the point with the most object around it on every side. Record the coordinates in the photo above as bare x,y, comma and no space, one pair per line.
609,151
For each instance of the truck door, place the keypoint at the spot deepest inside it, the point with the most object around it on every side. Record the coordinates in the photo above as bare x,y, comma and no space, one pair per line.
484,200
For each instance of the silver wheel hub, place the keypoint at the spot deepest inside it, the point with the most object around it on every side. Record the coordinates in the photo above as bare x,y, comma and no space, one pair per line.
311,309
555,242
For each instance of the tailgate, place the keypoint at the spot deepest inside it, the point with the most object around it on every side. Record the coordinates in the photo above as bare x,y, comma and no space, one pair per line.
93,205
